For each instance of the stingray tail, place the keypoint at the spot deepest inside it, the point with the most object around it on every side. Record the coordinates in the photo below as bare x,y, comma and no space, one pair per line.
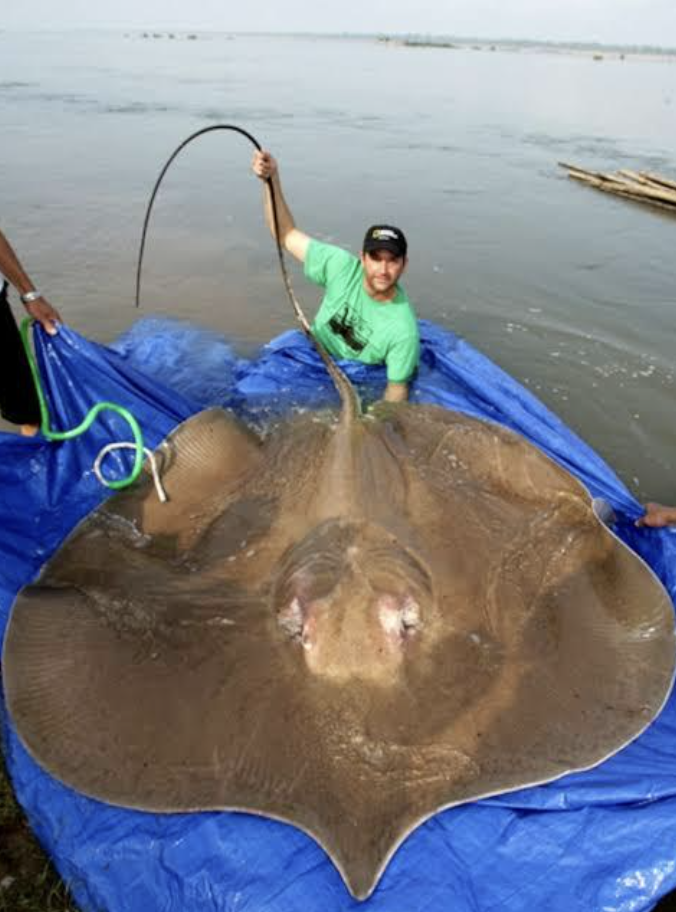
351,406
349,398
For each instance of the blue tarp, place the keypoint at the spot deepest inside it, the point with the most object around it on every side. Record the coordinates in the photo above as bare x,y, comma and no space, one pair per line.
600,840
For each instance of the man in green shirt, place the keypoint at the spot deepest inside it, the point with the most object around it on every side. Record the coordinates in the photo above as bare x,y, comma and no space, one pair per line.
365,314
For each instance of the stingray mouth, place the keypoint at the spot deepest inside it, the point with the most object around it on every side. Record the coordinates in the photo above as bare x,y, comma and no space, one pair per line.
353,597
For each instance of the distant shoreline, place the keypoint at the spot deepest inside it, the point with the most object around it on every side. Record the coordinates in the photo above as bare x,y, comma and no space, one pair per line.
528,44
596,51
407,39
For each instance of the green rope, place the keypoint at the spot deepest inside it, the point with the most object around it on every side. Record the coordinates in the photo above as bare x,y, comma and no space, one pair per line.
88,420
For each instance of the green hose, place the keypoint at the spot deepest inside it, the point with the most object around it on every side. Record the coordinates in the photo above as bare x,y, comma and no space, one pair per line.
89,419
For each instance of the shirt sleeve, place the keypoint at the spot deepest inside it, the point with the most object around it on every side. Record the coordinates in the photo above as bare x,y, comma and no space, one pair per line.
402,358
323,262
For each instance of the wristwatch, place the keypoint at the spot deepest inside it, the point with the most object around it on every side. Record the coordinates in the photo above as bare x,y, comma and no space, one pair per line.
30,296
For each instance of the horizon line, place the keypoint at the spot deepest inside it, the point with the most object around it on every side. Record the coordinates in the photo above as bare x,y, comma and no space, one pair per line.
301,33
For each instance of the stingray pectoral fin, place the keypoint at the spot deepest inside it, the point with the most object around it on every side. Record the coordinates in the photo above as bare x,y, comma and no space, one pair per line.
148,713
547,546
505,462
38,672
202,463
480,453
616,628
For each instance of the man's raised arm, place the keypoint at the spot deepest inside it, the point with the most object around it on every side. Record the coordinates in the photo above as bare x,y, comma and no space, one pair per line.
291,238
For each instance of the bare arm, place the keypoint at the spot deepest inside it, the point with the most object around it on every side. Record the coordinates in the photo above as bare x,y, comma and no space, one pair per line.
291,238
40,309
396,392
657,515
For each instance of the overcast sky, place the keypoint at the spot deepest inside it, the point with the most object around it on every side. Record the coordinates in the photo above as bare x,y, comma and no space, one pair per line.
608,21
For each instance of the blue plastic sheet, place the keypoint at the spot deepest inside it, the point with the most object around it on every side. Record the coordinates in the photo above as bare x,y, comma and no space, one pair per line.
600,840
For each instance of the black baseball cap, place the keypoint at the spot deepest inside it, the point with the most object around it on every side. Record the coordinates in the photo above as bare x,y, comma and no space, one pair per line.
385,237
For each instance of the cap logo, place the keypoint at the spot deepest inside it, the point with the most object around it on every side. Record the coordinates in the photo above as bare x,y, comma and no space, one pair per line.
385,237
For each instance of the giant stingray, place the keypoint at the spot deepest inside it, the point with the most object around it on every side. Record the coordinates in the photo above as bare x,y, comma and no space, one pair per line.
347,624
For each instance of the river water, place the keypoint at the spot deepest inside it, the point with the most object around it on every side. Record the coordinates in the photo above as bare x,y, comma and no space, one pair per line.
570,290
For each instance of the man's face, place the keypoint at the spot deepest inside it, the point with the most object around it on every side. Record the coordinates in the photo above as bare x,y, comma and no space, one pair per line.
382,270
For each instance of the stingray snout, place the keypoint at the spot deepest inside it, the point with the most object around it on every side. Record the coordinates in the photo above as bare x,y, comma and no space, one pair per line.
354,598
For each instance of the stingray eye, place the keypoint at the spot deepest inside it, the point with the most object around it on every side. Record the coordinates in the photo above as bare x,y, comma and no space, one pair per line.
307,637
410,615
399,616
297,622
291,619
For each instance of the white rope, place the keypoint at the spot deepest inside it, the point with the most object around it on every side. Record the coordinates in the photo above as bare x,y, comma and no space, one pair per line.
161,493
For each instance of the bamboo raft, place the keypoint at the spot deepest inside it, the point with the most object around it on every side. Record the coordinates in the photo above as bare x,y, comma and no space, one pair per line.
642,186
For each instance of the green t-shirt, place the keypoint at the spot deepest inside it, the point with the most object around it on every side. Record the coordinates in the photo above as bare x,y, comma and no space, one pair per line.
350,324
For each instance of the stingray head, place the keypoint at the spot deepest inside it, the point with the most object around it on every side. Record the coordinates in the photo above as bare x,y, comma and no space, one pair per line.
355,601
